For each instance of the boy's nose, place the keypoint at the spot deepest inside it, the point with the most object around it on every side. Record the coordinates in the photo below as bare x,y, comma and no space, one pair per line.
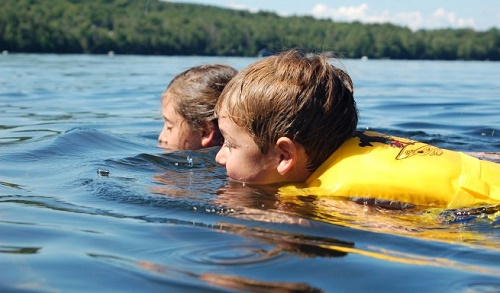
220,158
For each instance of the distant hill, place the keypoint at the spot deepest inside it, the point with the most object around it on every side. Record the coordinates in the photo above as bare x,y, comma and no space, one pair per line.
161,28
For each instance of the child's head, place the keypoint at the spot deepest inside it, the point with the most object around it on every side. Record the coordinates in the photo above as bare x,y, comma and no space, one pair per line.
291,111
188,107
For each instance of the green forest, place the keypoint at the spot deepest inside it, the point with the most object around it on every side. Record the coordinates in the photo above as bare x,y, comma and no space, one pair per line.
152,27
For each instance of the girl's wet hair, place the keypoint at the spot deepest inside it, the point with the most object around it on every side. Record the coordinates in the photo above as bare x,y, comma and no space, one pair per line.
196,91
302,97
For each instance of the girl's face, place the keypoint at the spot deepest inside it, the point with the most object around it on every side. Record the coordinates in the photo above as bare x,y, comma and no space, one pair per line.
242,158
177,134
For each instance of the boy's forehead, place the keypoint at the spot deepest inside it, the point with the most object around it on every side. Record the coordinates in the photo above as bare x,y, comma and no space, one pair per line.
224,123
226,126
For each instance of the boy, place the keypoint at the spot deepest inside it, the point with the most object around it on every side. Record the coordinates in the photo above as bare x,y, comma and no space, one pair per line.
188,107
290,119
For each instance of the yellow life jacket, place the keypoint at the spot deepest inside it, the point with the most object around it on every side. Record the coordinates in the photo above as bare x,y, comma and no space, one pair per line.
376,166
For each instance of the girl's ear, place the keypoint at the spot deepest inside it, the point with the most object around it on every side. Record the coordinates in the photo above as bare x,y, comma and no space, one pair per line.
210,135
288,154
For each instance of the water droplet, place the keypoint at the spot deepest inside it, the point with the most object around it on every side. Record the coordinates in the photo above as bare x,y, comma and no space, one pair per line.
189,161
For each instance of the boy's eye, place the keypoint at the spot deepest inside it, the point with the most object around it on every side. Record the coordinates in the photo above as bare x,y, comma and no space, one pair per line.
227,144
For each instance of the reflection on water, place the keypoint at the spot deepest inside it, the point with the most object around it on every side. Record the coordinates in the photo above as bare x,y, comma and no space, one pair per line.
20,250
422,222
163,273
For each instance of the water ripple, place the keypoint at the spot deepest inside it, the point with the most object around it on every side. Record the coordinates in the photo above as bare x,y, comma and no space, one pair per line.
223,253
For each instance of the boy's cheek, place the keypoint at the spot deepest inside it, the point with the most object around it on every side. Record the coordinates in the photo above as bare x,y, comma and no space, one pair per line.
233,171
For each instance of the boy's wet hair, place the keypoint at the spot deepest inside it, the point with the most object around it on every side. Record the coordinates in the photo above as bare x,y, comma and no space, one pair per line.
302,97
196,90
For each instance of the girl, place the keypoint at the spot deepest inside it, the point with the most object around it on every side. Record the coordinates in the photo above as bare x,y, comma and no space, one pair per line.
188,107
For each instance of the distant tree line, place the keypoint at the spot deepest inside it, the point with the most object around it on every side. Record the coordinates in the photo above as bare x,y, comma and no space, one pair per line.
153,27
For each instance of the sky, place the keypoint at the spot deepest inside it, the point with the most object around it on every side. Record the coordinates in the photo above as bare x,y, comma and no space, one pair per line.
414,14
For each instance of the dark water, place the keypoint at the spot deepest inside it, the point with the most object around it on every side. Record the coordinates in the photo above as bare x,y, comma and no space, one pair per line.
170,222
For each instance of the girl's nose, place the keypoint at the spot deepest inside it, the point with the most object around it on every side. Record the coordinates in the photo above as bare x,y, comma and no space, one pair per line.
162,138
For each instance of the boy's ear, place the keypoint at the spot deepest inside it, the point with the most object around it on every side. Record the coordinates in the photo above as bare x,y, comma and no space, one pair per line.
287,152
210,135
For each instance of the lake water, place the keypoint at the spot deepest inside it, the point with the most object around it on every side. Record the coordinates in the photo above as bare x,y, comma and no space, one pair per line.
158,223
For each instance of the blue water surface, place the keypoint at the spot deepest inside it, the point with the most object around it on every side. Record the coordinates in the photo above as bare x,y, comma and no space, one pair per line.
171,221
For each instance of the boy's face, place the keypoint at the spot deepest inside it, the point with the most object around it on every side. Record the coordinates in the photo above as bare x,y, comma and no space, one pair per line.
242,158
177,133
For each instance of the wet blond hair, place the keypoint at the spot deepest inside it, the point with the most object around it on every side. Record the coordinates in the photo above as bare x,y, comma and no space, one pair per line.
302,97
195,92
